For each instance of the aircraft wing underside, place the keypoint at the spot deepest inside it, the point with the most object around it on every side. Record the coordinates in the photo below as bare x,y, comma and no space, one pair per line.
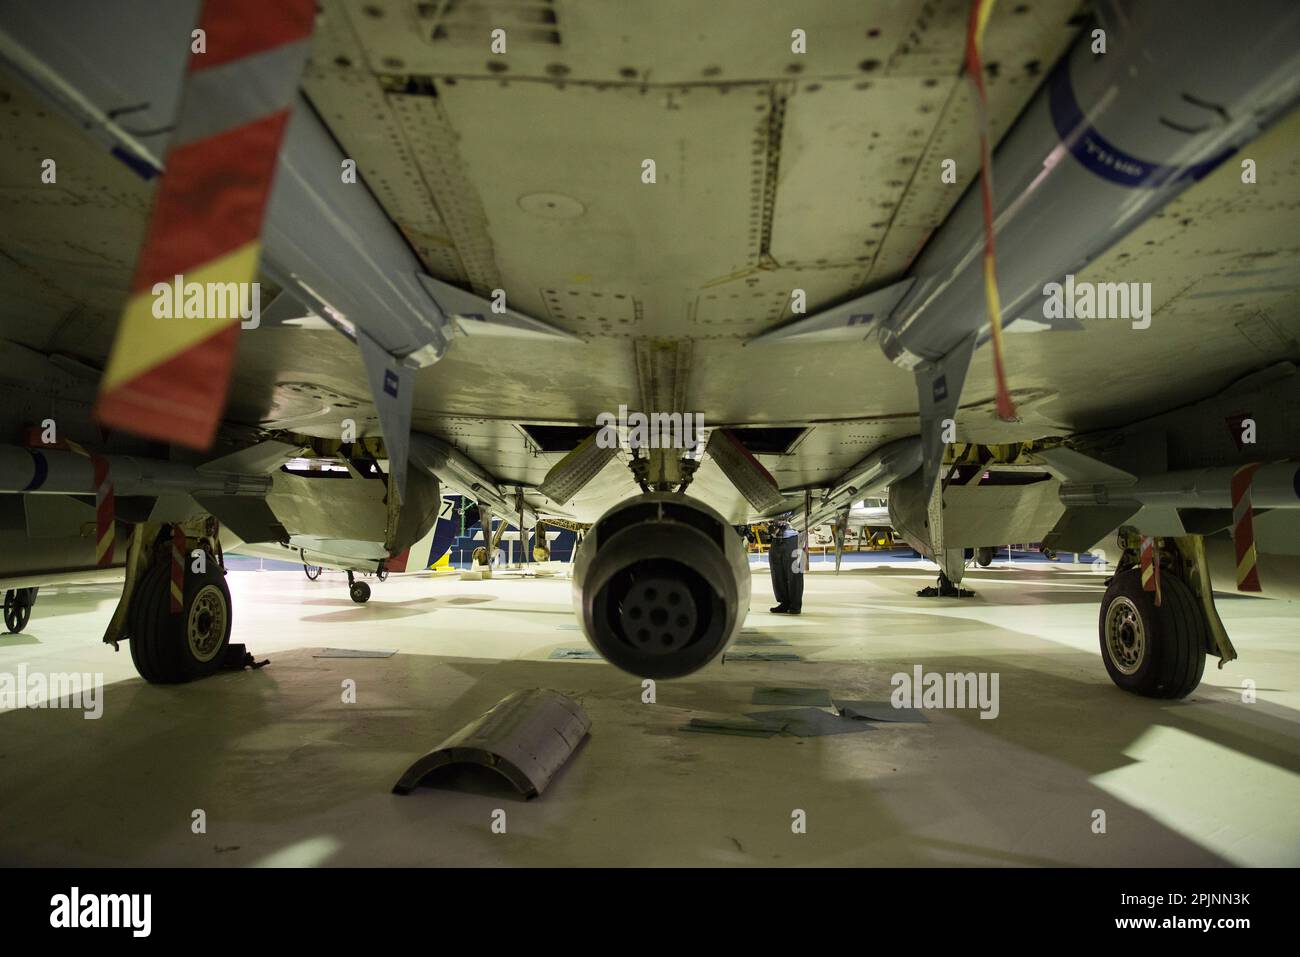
774,173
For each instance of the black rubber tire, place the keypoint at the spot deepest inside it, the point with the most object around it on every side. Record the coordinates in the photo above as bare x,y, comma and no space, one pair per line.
1175,637
984,556
360,592
157,638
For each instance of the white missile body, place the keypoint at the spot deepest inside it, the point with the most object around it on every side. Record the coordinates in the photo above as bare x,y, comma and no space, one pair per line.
1106,142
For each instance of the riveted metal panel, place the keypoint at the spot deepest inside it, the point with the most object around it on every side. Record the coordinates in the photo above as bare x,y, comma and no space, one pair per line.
667,41
848,154
362,118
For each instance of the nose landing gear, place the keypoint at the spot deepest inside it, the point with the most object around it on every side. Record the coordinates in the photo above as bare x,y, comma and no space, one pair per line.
359,591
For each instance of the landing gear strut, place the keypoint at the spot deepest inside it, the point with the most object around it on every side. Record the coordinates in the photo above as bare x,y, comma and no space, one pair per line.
18,608
541,551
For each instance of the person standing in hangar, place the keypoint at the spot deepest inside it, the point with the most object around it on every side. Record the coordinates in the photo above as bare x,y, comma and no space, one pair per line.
785,561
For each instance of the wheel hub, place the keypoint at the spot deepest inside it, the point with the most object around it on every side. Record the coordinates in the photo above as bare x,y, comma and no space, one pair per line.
1125,636
206,624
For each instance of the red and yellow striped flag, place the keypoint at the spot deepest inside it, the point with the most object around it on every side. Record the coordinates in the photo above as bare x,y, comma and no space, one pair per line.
167,378
1243,528
979,18
1150,560
104,509
105,504
178,570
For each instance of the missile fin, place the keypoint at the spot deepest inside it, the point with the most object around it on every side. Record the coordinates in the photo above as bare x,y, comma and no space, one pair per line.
841,532
1071,465
475,316
848,321
1081,527
393,386
288,310
260,459
938,390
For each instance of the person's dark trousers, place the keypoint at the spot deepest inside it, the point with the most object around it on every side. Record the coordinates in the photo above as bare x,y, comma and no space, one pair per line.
787,584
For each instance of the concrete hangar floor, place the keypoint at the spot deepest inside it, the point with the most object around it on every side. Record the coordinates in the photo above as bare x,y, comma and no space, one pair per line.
286,773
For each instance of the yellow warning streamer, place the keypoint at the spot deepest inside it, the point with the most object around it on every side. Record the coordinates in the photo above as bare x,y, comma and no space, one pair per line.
979,17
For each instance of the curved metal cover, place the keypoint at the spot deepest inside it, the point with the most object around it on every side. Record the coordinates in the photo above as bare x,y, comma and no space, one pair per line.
526,737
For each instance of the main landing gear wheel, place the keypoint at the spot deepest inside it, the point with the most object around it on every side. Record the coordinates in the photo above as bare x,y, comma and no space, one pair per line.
359,591
1154,652
311,571
167,648
18,608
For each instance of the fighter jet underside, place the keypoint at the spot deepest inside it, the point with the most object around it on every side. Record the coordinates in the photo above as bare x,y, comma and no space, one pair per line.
800,209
